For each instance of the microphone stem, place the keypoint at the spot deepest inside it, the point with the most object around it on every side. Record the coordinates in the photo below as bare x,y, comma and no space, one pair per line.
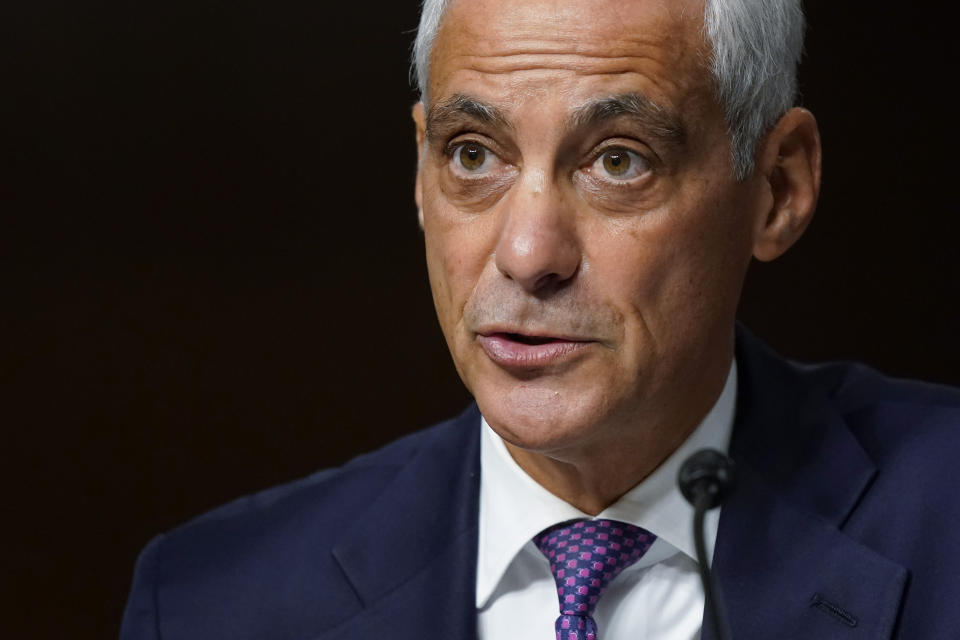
712,608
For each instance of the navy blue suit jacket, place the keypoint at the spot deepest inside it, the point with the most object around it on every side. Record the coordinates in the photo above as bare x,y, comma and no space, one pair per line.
845,524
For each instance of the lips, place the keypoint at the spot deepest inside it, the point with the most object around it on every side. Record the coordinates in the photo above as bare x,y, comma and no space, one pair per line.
523,351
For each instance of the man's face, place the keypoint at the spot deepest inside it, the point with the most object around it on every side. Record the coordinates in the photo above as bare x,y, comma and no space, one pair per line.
585,239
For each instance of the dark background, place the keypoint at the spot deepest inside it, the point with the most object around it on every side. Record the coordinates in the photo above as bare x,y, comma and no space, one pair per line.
213,280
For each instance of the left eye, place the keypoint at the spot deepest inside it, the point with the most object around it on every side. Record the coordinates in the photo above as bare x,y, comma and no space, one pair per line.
620,164
471,157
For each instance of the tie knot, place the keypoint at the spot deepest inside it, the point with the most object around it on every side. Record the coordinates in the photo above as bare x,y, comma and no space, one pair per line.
586,555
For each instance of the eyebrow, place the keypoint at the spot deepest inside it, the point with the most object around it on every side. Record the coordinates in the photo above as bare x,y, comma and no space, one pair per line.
461,108
660,121
653,117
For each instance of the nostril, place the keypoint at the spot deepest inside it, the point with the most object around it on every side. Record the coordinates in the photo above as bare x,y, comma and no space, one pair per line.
546,280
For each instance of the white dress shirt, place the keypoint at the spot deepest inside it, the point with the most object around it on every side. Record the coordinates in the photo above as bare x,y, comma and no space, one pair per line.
658,597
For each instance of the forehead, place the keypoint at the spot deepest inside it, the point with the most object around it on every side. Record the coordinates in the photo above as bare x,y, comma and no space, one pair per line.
517,48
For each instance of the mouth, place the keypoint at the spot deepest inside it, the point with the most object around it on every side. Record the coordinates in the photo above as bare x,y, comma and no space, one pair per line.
523,351
532,340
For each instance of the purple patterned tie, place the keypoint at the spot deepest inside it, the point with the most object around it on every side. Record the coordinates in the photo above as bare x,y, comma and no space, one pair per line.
585,556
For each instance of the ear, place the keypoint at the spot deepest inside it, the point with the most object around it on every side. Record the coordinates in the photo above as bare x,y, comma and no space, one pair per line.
420,121
788,163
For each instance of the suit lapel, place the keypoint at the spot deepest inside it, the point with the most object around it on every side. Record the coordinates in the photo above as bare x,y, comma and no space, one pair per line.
411,557
786,568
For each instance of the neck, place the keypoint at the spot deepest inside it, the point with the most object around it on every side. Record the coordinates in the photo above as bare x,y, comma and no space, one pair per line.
591,481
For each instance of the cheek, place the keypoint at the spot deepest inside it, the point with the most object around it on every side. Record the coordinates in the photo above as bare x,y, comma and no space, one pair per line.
677,273
457,252
442,269
706,269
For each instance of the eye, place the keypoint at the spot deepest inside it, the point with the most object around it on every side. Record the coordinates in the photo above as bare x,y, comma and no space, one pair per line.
620,164
472,157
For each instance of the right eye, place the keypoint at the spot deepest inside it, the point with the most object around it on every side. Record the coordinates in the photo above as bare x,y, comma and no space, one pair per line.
473,158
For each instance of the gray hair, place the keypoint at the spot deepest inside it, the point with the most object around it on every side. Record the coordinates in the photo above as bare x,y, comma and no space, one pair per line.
757,46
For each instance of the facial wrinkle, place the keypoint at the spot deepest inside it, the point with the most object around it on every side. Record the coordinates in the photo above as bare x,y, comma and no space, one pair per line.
569,311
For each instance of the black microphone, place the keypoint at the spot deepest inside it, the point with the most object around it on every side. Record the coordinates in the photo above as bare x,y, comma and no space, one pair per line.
705,479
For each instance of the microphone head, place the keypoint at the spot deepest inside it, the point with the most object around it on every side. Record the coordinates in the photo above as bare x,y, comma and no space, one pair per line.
707,473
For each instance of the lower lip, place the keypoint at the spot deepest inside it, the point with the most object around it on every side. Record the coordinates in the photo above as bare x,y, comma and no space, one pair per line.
513,354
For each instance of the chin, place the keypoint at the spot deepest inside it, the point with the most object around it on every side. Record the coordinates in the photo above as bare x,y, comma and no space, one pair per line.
539,418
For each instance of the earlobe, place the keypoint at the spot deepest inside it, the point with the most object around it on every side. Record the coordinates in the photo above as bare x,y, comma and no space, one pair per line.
789,162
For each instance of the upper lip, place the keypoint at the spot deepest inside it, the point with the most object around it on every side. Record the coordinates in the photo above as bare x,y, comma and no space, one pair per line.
487,331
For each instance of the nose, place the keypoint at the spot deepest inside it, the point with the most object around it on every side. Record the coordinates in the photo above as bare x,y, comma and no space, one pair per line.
538,247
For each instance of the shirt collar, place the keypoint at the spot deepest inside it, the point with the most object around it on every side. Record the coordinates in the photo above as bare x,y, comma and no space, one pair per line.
514,507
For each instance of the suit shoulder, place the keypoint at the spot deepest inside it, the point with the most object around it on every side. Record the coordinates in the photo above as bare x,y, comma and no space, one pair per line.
911,422
861,386
328,490
268,550
847,386
853,388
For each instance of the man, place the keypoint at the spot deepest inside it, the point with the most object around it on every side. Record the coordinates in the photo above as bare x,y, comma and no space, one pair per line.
593,180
